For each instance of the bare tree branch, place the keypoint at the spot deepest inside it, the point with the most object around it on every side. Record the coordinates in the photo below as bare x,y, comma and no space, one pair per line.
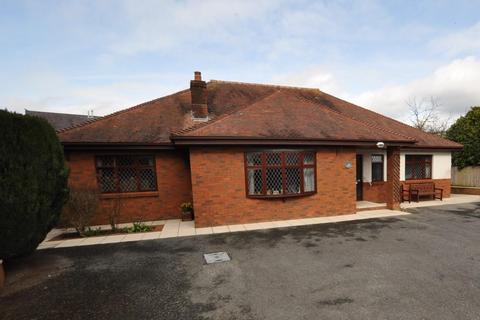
426,115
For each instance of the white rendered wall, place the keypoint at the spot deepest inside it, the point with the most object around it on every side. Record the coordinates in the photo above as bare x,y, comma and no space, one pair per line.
441,163
367,163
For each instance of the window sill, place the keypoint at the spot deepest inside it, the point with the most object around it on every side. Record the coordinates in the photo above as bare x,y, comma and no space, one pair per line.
129,195
281,196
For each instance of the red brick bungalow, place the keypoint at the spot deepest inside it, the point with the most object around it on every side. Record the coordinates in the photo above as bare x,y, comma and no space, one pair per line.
245,152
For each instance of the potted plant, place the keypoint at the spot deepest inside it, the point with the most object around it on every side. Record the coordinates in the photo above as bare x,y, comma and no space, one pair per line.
187,211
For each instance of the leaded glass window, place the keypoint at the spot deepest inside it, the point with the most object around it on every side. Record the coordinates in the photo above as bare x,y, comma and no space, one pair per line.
377,167
280,173
418,167
126,173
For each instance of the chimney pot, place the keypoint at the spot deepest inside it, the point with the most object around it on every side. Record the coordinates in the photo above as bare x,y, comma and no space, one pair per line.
198,76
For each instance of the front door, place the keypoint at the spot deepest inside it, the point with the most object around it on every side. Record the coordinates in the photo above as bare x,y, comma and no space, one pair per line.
359,182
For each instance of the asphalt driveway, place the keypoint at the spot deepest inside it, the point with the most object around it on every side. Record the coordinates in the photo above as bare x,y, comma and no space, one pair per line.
422,266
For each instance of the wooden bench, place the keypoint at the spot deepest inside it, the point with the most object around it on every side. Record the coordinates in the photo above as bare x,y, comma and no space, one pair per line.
416,190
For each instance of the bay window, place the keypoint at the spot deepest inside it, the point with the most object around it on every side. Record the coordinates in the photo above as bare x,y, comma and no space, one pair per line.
280,173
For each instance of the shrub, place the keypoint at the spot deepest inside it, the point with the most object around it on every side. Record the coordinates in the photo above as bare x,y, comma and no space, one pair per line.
33,182
114,209
80,208
89,232
138,227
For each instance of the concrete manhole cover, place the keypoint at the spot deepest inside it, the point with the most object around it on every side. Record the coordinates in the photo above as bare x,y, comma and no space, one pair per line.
216,257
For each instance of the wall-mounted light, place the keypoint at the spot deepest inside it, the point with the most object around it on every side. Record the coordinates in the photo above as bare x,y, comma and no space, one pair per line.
380,145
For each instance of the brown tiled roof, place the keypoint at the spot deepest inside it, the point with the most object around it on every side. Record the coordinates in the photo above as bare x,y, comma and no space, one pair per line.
243,110
424,139
149,122
153,121
287,115
61,121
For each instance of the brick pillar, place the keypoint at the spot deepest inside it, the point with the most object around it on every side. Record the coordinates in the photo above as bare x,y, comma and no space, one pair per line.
393,178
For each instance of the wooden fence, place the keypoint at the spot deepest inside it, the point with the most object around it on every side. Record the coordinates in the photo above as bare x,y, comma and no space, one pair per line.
467,177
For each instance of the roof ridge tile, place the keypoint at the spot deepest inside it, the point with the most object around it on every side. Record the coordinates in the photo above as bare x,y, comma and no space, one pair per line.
279,86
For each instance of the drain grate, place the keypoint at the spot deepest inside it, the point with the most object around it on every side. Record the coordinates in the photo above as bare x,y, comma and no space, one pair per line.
216,257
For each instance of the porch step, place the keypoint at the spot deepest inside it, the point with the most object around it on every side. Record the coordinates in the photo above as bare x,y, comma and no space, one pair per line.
372,208
368,205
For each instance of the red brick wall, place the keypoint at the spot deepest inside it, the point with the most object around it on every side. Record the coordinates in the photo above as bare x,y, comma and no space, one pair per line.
218,182
445,184
173,181
375,192
466,190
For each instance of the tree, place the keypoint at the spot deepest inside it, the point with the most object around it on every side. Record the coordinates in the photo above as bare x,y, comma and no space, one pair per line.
33,182
80,208
114,211
466,130
426,116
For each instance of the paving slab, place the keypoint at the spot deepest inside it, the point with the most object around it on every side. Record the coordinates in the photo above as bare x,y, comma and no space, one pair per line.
168,235
220,229
295,222
113,238
236,228
170,229
255,226
151,235
186,228
203,231
52,234
173,221
187,224
92,240
453,199
49,244
281,224
184,232
133,237
70,243
158,222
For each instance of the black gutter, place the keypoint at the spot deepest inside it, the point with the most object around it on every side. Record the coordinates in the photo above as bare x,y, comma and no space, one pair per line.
224,141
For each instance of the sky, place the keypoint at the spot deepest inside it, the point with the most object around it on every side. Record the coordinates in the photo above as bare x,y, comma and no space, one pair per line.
107,55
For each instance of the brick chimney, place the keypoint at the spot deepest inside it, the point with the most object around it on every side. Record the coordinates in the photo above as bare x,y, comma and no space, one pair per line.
198,91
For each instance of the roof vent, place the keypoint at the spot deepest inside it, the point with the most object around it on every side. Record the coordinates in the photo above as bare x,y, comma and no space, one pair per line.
198,91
